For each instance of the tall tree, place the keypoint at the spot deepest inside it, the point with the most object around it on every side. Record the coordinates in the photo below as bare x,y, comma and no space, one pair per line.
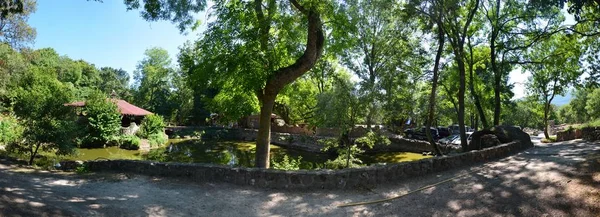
254,47
153,81
557,68
511,27
380,47
14,29
456,24
116,80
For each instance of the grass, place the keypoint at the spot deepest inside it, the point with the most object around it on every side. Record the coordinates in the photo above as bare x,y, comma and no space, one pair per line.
594,123
551,140
43,159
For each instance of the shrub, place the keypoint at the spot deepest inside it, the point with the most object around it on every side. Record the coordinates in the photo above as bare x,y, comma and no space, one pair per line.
50,126
10,129
129,142
157,139
82,169
287,163
152,124
103,120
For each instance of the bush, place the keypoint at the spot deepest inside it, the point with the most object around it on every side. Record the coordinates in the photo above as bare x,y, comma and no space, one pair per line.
129,142
103,120
157,139
10,129
286,163
152,124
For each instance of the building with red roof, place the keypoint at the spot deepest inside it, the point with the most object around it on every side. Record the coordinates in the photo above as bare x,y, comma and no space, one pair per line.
130,113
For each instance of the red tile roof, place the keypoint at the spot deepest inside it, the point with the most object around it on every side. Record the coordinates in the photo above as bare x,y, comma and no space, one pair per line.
125,108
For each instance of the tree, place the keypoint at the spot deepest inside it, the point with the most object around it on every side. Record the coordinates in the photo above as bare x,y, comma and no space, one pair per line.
153,81
103,120
116,80
12,67
558,69
253,47
14,28
512,27
379,47
593,104
50,125
456,25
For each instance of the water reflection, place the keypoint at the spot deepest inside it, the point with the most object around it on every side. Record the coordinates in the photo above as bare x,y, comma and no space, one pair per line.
233,153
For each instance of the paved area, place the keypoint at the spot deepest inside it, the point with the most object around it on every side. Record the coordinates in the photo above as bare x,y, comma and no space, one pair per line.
560,179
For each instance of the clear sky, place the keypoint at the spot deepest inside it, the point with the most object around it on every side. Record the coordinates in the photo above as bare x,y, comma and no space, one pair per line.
105,34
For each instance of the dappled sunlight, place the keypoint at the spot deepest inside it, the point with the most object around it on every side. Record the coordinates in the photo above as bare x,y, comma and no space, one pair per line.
155,211
532,183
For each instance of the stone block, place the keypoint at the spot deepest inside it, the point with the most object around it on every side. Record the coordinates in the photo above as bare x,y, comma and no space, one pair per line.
341,178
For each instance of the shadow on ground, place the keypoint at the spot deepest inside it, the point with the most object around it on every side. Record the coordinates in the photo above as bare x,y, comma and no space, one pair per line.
560,179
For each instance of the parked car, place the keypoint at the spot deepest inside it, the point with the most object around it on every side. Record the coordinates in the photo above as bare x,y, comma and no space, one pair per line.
420,134
454,129
449,139
457,140
443,132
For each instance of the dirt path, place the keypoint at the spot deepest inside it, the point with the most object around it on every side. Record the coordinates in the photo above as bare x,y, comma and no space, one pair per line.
548,180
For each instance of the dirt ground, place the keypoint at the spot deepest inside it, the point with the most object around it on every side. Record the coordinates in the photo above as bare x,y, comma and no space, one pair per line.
560,179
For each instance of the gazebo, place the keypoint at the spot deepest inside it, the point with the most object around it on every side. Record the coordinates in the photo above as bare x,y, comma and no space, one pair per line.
129,112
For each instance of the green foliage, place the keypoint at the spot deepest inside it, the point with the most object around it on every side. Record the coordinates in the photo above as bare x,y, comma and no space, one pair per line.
50,125
549,140
14,27
152,124
347,158
286,163
176,11
116,80
593,104
11,130
103,120
129,142
157,139
341,107
82,169
371,138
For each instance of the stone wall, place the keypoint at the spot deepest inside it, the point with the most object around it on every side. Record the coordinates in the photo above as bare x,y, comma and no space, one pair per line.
569,135
370,176
590,133
301,130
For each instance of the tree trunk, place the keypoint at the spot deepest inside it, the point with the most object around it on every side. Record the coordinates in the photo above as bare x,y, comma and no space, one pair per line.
34,153
286,75
434,84
472,88
546,134
461,102
497,74
263,140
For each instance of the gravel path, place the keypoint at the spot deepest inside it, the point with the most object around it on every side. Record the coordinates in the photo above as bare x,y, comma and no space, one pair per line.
560,179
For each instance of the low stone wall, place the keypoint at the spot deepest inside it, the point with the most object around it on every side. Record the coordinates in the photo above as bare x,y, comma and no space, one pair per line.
590,133
370,176
292,130
569,135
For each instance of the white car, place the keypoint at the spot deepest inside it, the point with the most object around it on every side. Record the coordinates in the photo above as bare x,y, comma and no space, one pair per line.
457,140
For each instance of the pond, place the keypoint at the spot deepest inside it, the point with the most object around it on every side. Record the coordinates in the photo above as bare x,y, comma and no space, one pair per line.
233,153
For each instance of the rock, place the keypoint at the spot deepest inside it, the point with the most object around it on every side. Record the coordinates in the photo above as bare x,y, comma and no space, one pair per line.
489,140
503,134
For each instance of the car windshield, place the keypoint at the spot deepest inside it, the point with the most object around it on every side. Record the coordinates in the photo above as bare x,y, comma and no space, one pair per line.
450,138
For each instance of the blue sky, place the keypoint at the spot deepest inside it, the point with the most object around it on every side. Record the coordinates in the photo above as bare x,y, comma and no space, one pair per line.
105,34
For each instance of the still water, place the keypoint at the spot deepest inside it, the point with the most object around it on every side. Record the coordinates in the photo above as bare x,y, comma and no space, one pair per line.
233,153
